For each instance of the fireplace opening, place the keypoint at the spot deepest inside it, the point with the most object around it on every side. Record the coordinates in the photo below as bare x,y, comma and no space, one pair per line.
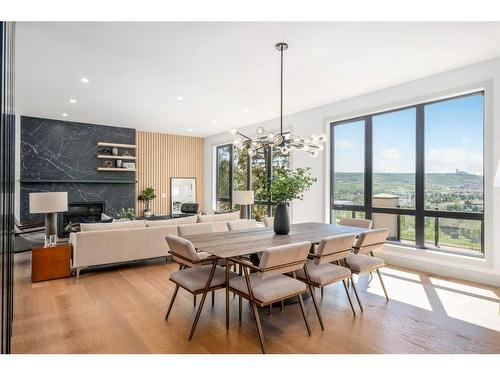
79,212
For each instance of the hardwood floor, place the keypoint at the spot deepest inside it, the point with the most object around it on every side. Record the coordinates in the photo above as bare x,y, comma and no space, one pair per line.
121,310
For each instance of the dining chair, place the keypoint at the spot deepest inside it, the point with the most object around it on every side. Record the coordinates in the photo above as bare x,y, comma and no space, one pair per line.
322,271
363,260
360,223
193,229
268,283
193,274
268,221
242,224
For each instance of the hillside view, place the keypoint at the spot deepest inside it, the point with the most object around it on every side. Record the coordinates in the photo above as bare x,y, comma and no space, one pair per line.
459,192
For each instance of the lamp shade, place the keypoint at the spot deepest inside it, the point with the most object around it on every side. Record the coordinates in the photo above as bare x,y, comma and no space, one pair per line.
42,203
243,197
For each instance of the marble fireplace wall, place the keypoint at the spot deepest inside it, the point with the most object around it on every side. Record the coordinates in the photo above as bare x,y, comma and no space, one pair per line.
61,156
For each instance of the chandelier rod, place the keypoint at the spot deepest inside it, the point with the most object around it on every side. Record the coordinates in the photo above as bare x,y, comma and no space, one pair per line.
281,96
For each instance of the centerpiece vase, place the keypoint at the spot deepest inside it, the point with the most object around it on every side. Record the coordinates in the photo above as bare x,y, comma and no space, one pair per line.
281,219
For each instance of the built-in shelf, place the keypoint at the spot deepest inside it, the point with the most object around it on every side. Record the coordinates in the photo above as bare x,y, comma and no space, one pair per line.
118,145
116,169
122,157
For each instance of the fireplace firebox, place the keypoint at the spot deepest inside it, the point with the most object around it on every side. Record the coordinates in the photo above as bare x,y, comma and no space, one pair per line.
79,212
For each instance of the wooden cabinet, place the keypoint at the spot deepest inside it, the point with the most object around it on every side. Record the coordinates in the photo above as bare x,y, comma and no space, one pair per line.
48,263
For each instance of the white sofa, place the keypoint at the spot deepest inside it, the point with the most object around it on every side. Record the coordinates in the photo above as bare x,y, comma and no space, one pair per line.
107,243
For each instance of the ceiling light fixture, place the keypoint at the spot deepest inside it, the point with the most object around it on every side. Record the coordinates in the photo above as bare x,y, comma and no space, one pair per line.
284,143
180,98
72,101
84,80
64,115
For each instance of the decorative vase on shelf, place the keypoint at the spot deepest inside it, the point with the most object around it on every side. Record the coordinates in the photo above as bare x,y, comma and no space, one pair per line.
115,151
119,163
281,219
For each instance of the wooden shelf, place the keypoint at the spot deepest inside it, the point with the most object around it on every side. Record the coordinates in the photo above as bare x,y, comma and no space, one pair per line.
104,169
118,145
122,157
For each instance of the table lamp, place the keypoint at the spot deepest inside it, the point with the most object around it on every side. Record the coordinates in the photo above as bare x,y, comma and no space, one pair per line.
49,204
244,198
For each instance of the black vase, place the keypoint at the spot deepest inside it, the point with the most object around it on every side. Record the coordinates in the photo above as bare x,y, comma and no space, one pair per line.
281,219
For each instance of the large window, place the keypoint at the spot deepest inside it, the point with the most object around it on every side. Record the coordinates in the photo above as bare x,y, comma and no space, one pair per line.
417,171
236,170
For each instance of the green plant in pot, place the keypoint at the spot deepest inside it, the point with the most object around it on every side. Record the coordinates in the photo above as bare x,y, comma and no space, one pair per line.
147,196
287,184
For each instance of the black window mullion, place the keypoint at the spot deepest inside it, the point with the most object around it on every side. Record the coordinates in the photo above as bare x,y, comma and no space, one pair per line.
420,178
368,166
231,166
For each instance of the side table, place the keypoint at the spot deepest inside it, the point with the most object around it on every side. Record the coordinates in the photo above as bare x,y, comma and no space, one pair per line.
48,263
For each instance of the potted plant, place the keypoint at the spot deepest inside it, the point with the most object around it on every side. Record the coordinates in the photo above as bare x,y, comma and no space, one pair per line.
147,196
126,214
287,184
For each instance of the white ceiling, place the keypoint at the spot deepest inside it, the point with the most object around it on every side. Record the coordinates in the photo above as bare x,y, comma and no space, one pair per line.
225,72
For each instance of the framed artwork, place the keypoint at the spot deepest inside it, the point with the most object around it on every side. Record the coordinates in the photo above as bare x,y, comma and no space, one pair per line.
182,190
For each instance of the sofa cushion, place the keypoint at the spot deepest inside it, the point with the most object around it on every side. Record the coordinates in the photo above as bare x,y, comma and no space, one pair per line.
88,227
230,216
179,220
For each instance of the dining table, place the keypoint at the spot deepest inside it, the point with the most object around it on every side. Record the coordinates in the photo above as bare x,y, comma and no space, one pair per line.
246,242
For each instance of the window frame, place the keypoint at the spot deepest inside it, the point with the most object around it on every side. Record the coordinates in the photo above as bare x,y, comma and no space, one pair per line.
419,212
269,174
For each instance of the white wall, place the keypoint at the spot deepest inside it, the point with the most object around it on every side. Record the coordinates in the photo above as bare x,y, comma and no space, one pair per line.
315,206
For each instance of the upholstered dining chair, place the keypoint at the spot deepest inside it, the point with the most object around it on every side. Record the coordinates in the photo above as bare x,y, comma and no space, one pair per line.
191,230
193,274
360,223
363,260
321,270
268,221
242,224
269,284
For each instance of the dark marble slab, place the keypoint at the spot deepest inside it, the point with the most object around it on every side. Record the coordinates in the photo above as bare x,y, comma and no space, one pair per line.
61,156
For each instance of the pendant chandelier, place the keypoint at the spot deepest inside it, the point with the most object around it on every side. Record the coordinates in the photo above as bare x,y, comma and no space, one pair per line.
282,142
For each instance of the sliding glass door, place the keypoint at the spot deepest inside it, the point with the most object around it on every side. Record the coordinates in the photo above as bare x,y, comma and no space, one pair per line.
417,171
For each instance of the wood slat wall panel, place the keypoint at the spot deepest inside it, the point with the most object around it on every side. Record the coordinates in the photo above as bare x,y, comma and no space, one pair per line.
162,156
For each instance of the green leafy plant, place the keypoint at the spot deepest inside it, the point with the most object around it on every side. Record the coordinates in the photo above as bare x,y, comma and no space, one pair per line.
127,213
147,196
289,184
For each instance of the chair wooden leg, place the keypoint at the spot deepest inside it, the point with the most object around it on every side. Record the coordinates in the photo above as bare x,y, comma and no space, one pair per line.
356,294
271,309
194,301
282,306
202,302
322,292
302,309
259,327
383,285
172,301
213,298
318,312
349,297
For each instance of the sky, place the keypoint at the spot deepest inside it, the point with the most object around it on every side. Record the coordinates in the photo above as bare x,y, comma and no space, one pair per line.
453,139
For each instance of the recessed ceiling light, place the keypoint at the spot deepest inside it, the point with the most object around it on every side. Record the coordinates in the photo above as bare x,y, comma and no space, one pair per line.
214,122
72,101
179,98
245,110
84,80
64,115
190,130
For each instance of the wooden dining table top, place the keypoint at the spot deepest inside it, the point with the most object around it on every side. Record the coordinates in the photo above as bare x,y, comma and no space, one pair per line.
238,243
